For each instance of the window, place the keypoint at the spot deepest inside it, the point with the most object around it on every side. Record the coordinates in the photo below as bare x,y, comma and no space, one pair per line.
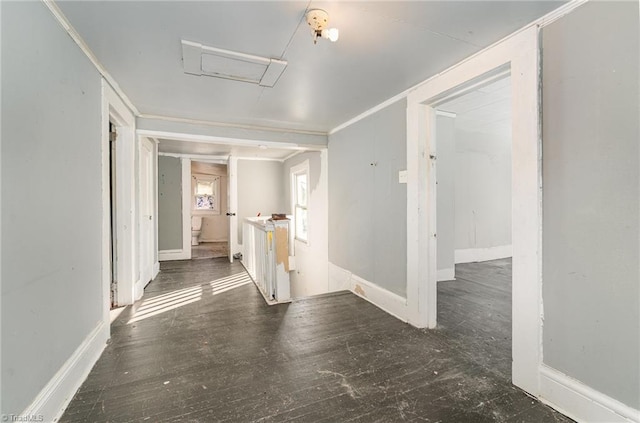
206,197
300,200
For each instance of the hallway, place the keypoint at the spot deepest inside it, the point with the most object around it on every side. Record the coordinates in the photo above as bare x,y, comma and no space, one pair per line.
202,346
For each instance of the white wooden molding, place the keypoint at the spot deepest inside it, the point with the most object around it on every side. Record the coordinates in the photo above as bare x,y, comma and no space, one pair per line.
581,402
156,269
520,54
446,274
211,139
54,398
168,255
232,125
387,301
474,255
186,208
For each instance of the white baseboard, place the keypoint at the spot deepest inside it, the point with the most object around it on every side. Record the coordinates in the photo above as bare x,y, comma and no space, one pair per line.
473,255
446,275
392,303
56,395
138,290
166,255
212,240
581,402
339,279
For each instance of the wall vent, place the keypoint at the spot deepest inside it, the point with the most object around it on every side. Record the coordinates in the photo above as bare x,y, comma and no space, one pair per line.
199,60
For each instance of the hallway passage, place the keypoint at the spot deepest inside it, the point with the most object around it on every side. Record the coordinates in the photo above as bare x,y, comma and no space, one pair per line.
202,346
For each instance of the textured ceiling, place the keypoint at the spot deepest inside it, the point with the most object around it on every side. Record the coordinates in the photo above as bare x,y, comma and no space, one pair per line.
384,48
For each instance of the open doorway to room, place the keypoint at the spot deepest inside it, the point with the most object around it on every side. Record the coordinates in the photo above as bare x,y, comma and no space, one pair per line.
209,222
518,58
473,221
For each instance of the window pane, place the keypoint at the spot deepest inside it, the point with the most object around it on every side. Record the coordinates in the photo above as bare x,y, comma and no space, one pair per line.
204,202
204,188
301,189
301,223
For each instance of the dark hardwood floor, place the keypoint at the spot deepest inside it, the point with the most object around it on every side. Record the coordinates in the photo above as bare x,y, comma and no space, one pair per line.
202,346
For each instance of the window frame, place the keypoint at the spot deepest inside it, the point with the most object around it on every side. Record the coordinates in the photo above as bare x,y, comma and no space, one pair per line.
202,177
295,172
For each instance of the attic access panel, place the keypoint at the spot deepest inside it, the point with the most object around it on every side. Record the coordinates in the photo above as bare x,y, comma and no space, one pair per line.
200,60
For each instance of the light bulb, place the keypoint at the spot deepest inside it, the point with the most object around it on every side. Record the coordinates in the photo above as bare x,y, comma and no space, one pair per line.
331,34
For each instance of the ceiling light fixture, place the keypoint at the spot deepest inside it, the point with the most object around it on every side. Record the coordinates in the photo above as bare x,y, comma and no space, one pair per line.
318,20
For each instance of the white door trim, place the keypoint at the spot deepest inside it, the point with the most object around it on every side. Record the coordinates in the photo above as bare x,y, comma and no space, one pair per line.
114,109
232,205
521,54
186,208
145,146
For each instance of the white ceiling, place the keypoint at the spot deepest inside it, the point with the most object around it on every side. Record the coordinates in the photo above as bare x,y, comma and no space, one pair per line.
486,110
384,48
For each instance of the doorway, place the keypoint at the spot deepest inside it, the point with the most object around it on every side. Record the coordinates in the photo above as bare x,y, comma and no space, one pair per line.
209,207
473,220
517,55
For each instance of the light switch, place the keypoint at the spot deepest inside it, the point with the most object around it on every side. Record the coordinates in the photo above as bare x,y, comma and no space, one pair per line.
402,177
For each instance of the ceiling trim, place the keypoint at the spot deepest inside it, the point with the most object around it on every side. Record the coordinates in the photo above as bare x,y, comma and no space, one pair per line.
232,125
541,22
208,139
75,36
446,114
197,157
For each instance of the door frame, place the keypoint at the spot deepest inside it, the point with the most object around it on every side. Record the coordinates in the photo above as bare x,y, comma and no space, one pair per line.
519,53
114,110
146,143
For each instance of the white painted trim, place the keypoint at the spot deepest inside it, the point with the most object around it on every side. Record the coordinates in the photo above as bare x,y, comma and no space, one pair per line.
521,53
210,139
385,300
156,269
474,255
262,159
342,279
339,278
581,402
75,36
444,113
372,111
538,23
168,255
138,289
233,125
186,208
115,110
54,398
197,157
232,207
446,274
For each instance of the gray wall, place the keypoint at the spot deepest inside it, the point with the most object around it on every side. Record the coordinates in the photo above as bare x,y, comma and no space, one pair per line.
367,205
482,188
169,203
260,190
590,222
51,200
445,191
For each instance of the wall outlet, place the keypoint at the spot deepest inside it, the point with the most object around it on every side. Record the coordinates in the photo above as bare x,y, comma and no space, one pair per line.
402,177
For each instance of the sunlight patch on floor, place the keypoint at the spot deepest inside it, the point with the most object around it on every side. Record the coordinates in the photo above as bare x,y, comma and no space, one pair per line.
181,297
230,282
165,302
